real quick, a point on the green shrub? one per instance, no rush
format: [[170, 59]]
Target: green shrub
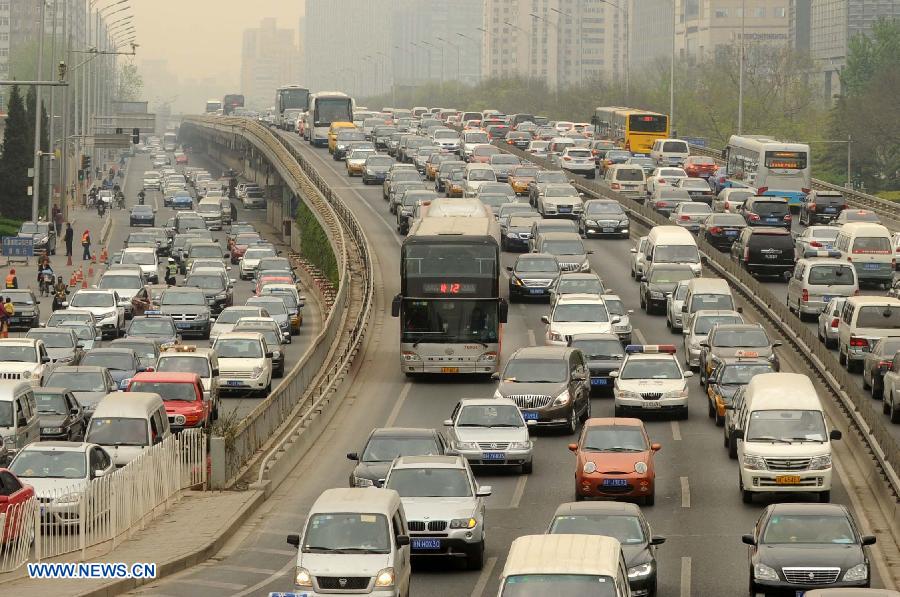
[[314, 244]]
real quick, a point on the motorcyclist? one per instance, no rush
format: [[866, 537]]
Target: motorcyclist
[[60, 291], [120, 199], [45, 277], [101, 207], [141, 196], [171, 270]]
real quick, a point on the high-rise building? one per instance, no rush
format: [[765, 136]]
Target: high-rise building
[[269, 59], [650, 26], [714, 28]]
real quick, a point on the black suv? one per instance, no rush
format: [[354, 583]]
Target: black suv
[[551, 385], [821, 207], [766, 211], [532, 276], [765, 251]]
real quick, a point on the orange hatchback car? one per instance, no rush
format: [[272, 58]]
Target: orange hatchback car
[[614, 459]]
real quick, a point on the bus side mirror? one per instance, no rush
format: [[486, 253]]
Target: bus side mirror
[[504, 310], [395, 306]]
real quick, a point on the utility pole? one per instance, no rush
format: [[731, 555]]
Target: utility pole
[[672, 74], [64, 147], [36, 182], [740, 122], [52, 112]]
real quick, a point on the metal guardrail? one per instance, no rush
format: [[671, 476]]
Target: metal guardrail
[[309, 382], [869, 423]]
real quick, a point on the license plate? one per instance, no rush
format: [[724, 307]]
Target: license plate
[[826, 299], [428, 544], [731, 233], [449, 369], [871, 265], [771, 256], [291, 594], [599, 381], [615, 482], [530, 415], [234, 382], [182, 324], [565, 210], [608, 230], [830, 210], [787, 480], [536, 290], [493, 456], [651, 404]]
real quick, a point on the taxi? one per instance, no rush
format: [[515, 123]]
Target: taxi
[[651, 380], [455, 183], [730, 375], [356, 161], [614, 459], [520, 177], [333, 132]]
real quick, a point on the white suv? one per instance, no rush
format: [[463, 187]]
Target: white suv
[[651, 379], [105, 306], [244, 362], [577, 314], [24, 359]]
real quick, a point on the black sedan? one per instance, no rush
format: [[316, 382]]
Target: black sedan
[[659, 282], [604, 354], [142, 215], [60, 414], [800, 547], [532, 276], [602, 217], [387, 443], [722, 229]]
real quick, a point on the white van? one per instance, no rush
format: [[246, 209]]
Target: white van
[[210, 208], [19, 424], [672, 244], [705, 293], [783, 442], [628, 179], [127, 423], [670, 152], [355, 540], [476, 175], [869, 248], [817, 280], [864, 320], [586, 565]]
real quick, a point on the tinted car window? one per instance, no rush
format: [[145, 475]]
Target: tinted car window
[[769, 208]]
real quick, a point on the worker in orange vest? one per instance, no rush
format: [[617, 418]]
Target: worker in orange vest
[[86, 245], [11, 280]]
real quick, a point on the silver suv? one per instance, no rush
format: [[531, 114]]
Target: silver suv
[[444, 506]]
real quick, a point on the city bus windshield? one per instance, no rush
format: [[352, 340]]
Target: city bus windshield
[[450, 321]]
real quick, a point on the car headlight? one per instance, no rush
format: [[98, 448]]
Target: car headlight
[[463, 523], [763, 572], [124, 383], [512, 235], [51, 429], [201, 317], [112, 313], [656, 294], [385, 578], [465, 445], [640, 467], [303, 578], [640, 571], [623, 222], [555, 336], [257, 371], [683, 393], [858, 572], [526, 445], [585, 266], [562, 399], [589, 467], [69, 498], [820, 463], [591, 222], [361, 482], [627, 394], [754, 463]]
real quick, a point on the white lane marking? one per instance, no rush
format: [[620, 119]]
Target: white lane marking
[[519, 491], [531, 340], [395, 412], [685, 493], [247, 569], [484, 577], [640, 336], [292, 563], [685, 577], [230, 586], [676, 430]]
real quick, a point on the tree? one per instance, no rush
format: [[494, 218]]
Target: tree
[[130, 83], [30, 100], [15, 159]]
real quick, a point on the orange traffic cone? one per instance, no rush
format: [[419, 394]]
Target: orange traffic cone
[[73, 280], [91, 270], [84, 283], [103, 255]]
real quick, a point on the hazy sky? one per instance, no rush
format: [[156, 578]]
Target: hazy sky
[[202, 38]]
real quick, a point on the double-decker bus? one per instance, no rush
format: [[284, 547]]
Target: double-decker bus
[[213, 106], [449, 304], [633, 129], [290, 97], [326, 107], [774, 167], [230, 102]]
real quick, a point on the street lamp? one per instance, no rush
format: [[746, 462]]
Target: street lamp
[[430, 47], [740, 122], [555, 70], [474, 41], [455, 47], [624, 13]]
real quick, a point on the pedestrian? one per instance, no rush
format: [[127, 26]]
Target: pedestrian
[[11, 280], [4, 321], [9, 310], [86, 245], [70, 237], [57, 220]]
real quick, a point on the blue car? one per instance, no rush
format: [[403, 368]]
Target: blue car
[[182, 202], [122, 363]]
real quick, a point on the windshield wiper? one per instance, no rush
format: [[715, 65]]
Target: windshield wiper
[[471, 425], [769, 438], [805, 439], [504, 425]]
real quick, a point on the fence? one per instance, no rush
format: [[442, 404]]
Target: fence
[[106, 510]]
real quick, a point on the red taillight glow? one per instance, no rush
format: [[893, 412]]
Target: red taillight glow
[[662, 204], [804, 295], [762, 190], [816, 244], [835, 322], [716, 230], [805, 191], [859, 342], [685, 218], [754, 218], [788, 218], [614, 185]]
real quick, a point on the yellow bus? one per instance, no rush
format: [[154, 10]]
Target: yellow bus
[[633, 129]]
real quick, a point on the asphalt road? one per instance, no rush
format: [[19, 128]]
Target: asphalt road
[[698, 507]]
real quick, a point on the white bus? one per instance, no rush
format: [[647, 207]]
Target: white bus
[[326, 107], [290, 97], [213, 106], [170, 141], [774, 167]]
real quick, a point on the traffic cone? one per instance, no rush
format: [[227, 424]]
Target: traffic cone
[[103, 255], [73, 280], [91, 269], [84, 283]]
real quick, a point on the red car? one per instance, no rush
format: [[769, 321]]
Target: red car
[[182, 394], [700, 166], [239, 245], [481, 154], [13, 496], [614, 459]]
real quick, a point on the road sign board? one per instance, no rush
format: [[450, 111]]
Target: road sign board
[[17, 246]]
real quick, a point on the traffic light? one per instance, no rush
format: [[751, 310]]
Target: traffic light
[[86, 162], [135, 136]]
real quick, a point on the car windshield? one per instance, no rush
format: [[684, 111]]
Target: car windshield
[[560, 192], [650, 369], [347, 533], [92, 299], [559, 585], [274, 307], [600, 349], [537, 265], [742, 373], [379, 162], [770, 208], [206, 281], [50, 403], [230, 315], [176, 297], [624, 527], [694, 208], [670, 276], [50, 464], [535, 371], [151, 327], [205, 251], [832, 275], [676, 254], [524, 172], [176, 363], [822, 233], [77, 381], [563, 247], [481, 174], [18, 354], [614, 438], [477, 138], [185, 392], [430, 482], [583, 312], [722, 302], [603, 207], [489, 416], [704, 323], [143, 349], [82, 330], [238, 348], [117, 431], [786, 425], [505, 159], [139, 257], [755, 338], [726, 220], [251, 254], [110, 360], [53, 339], [629, 174], [807, 528], [117, 281], [860, 216], [580, 285], [882, 317], [141, 238]]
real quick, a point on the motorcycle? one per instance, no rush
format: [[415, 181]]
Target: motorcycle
[[120, 201], [58, 299], [46, 284]]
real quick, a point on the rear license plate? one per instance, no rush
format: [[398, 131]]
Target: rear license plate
[[771, 256], [771, 220], [493, 456], [731, 233], [449, 369], [871, 265], [608, 230], [826, 299], [536, 290], [615, 482], [565, 210], [830, 210], [599, 381], [530, 415], [182, 324], [234, 382], [425, 544], [787, 480], [291, 594], [651, 404]]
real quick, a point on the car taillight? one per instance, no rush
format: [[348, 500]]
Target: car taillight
[[804, 295], [685, 218], [811, 207], [615, 185], [662, 204], [844, 206], [816, 244], [754, 218], [884, 364], [762, 190], [716, 230], [567, 158], [788, 218], [662, 181], [805, 191], [835, 322], [859, 342]]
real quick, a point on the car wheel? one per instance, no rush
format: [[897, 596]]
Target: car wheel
[[746, 496], [683, 413], [725, 438], [825, 496], [710, 408], [649, 500], [866, 385], [527, 468], [841, 360], [572, 423], [618, 411], [720, 420], [895, 412], [475, 558], [885, 405]]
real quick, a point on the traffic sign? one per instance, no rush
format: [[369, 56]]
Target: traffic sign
[[17, 248]]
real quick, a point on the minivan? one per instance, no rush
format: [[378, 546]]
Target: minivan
[[765, 251], [705, 293], [869, 248], [356, 540], [670, 152], [671, 244], [817, 280], [627, 179], [783, 441], [127, 423], [19, 424], [865, 319]]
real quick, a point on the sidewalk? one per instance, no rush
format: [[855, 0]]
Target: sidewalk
[[192, 531]]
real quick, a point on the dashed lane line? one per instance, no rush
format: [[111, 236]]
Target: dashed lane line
[[518, 492], [484, 577], [640, 336], [685, 493], [685, 577], [531, 339], [395, 412], [676, 430]]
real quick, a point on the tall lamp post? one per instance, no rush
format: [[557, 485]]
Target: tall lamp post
[[740, 122], [474, 41], [431, 46], [517, 28], [624, 13], [455, 47], [555, 70]]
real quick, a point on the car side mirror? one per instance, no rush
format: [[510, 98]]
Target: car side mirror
[[643, 278], [748, 540], [448, 422], [484, 491], [615, 320], [835, 434], [22, 422], [632, 250], [573, 447], [614, 374], [656, 447], [738, 434], [704, 345], [688, 374], [45, 359], [379, 482], [352, 456], [269, 355], [531, 423], [293, 539], [98, 338], [65, 304], [74, 411], [868, 539], [98, 473], [402, 540], [395, 306], [776, 343], [657, 540], [684, 308], [226, 255], [545, 319]]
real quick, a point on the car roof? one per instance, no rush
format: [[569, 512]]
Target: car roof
[[60, 446], [593, 336], [429, 461], [605, 507], [613, 421], [541, 352], [362, 500], [579, 276], [403, 432], [809, 508], [579, 297]]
